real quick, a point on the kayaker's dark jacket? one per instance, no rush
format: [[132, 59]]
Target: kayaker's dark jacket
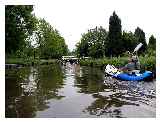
[[134, 64]]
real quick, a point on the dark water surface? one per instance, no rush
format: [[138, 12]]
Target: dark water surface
[[74, 91]]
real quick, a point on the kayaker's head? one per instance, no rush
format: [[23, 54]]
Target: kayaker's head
[[134, 58], [131, 59]]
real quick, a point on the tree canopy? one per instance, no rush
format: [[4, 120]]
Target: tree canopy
[[151, 50], [152, 43], [92, 43], [99, 42], [19, 24], [129, 41], [140, 37], [114, 35], [23, 29], [50, 43]]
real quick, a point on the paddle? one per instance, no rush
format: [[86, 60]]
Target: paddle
[[138, 47], [110, 69], [135, 56]]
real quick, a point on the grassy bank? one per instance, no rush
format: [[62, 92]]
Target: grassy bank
[[147, 63], [29, 61]]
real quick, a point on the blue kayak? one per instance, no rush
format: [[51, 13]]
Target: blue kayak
[[133, 77]]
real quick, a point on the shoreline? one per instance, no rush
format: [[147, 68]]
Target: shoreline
[[147, 63]]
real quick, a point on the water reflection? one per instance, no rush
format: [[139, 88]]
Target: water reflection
[[108, 106], [112, 95], [123, 93], [75, 91], [91, 81], [29, 89]]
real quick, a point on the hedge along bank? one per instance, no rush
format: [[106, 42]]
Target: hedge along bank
[[147, 63]]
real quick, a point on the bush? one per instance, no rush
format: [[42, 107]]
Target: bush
[[147, 62]]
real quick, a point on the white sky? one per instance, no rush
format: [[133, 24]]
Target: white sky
[[74, 17]]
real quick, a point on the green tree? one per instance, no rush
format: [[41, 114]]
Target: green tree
[[19, 24], [151, 49], [140, 36], [152, 43], [114, 36], [129, 41], [92, 43], [50, 43], [96, 42], [82, 46]]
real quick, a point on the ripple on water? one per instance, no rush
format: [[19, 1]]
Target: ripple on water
[[141, 93]]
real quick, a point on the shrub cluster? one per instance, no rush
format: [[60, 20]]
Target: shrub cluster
[[147, 63]]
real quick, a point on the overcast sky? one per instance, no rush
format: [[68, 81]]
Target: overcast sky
[[74, 17]]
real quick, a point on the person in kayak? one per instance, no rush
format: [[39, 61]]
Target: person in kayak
[[133, 65]]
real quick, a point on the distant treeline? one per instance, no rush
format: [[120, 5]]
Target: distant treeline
[[99, 43], [28, 36]]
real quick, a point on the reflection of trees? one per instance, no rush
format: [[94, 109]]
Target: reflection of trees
[[108, 106], [12, 90], [29, 89], [25, 106], [116, 95], [90, 81], [50, 81]]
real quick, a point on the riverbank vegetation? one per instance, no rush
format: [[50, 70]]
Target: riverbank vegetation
[[30, 62], [30, 39], [147, 63], [110, 47]]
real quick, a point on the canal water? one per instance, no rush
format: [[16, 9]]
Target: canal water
[[73, 91]]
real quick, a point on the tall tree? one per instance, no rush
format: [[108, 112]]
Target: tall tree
[[50, 43], [82, 46], [114, 36], [96, 42], [92, 43], [19, 24], [152, 43], [140, 37], [129, 41], [151, 49]]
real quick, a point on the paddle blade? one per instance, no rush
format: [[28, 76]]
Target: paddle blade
[[138, 47]]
